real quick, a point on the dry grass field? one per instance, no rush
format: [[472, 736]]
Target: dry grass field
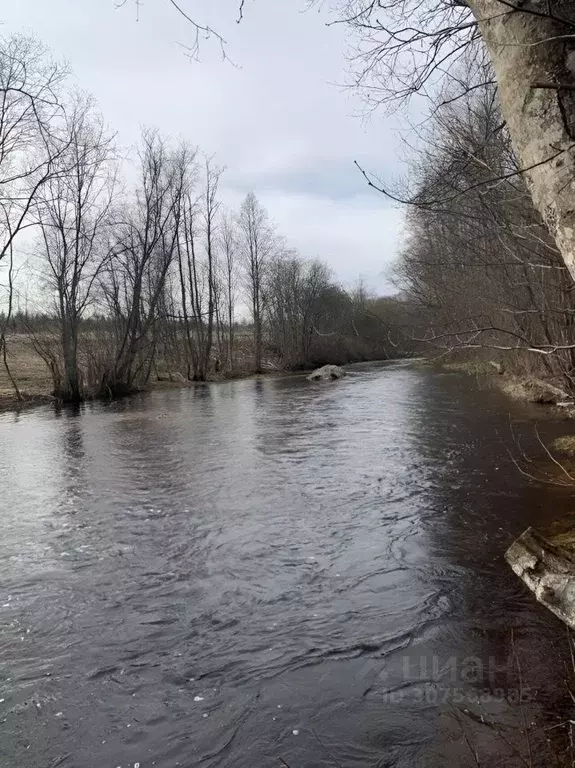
[[27, 368], [35, 384]]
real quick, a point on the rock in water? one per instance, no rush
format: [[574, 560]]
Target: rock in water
[[547, 566], [327, 373]]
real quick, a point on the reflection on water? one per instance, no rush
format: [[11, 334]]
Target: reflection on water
[[237, 573]]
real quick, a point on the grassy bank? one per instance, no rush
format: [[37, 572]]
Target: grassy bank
[[29, 372], [35, 386], [33, 379]]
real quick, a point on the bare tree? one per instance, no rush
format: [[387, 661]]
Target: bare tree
[[5, 321], [229, 248], [210, 212], [258, 244], [144, 248], [187, 263], [296, 291], [197, 264], [408, 46], [73, 212], [30, 108]]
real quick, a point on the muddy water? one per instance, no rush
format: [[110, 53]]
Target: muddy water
[[263, 571]]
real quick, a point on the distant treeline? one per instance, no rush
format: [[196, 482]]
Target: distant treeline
[[331, 327], [147, 277]]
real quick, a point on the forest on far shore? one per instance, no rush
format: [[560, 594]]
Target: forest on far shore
[[154, 279]]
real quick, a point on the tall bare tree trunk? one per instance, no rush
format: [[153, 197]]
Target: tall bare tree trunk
[[229, 246], [4, 327], [230, 329], [71, 391], [257, 314], [258, 244], [190, 354], [211, 209], [532, 50]]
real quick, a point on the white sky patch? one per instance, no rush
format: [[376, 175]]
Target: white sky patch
[[277, 120], [356, 237]]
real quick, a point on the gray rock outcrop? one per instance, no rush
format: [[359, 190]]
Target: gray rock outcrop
[[327, 373]]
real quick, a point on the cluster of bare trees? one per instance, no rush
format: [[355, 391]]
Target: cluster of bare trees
[[478, 260], [152, 277], [490, 252], [29, 148], [169, 271], [409, 47]]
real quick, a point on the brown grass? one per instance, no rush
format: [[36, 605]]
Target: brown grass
[[29, 371], [35, 383]]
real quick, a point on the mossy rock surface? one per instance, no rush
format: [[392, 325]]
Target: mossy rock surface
[[565, 444]]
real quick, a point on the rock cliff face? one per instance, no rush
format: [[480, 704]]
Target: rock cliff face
[[327, 373]]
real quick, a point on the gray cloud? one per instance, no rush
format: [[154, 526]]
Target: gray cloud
[[276, 119]]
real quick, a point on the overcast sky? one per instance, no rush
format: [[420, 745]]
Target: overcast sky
[[277, 120]]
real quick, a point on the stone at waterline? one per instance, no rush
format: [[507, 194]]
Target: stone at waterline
[[547, 567], [327, 373]]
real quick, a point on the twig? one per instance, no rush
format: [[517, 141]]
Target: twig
[[418, 203], [553, 459], [521, 706], [554, 86], [467, 740]]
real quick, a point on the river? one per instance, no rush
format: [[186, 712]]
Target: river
[[269, 572]]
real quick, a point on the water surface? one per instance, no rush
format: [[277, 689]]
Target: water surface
[[252, 572]]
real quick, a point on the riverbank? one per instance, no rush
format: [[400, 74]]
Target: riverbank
[[34, 382], [32, 376], [34, 385], [529, 389]]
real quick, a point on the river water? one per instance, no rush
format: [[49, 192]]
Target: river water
[[269, 572]]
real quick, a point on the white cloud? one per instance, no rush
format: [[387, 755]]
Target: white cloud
[[355, 236], [276, 120]]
